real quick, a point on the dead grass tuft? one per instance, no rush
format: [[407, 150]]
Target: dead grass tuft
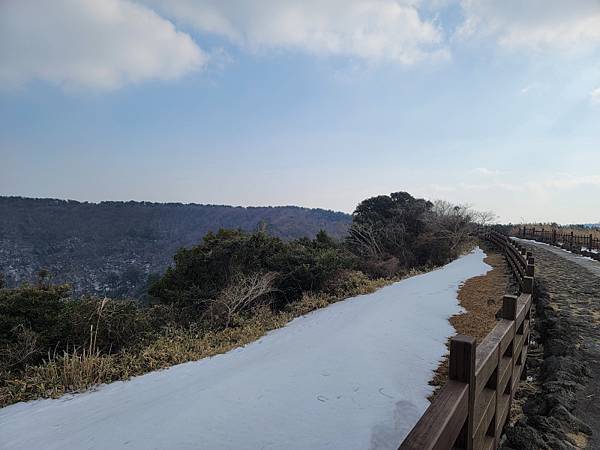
[[579, 439]]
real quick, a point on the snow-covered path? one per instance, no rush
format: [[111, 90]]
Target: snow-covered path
[[351, 376]]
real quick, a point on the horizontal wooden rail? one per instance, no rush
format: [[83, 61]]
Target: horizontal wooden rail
[[472, 408], [446, 419]]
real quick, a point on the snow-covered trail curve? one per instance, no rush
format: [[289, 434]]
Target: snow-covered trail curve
[[353, 375]]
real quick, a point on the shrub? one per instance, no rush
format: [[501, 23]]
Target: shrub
[[111, 324], [201, 273], [38, 321], [242, 293], [30, 317], [398, 232], [387, 267]]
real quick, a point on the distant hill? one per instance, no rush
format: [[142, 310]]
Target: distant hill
[[113, 248]]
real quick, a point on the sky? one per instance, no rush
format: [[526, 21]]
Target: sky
[[317, 103]]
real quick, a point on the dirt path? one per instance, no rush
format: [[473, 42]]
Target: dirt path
[[566, 411]]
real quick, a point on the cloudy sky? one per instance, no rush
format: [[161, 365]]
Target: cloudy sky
[[317, 103]]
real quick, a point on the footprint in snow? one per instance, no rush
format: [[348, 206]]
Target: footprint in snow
[[384, 394], [322, 398]]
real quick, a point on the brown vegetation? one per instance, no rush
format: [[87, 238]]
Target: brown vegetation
[[481, 297]]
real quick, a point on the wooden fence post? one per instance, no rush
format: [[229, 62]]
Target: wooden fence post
[[554, 235], [571, 241], [590, 246], [528, 285], [461, 367], [530, 269], [509, 307]]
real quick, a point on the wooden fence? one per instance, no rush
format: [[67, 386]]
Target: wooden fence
[[571, 241], [472, 408]]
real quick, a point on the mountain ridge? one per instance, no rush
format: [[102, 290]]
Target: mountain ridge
[[114, 248]]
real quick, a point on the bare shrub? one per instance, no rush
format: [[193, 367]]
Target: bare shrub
[[451, 223], [363, 239], [243, 292], [348, 283], [383, 268], [18, 353]]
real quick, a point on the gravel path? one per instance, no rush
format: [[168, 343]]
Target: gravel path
[[568, 406], [583, 261]]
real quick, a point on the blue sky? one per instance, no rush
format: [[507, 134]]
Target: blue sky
[[314, 103]]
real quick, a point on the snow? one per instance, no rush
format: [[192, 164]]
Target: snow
[[577, 255], [353, 375], [590, 264]]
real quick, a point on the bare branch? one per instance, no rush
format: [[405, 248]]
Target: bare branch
[[242, 292]]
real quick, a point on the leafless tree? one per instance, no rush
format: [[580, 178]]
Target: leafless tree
[[450, 222], [242, 292], [483, 218], [363, 238], [395, 237]]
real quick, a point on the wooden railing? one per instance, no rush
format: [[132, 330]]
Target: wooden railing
[[568, 240], [472, 408]]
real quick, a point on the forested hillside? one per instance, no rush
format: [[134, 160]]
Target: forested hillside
[[113, 248]]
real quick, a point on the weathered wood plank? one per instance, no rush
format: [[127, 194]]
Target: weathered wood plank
[[443, 421], [485, 409]]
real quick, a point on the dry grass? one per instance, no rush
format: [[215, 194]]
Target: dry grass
[[80, 370], [579, 439], [481, 297]]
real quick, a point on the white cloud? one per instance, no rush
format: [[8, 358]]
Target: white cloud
[[526, 89], [89, 43], [486, 172], [380, 30], [554, 182], [570, 181], [533, 194], [595, 96], [534, 24], [530, 88]]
